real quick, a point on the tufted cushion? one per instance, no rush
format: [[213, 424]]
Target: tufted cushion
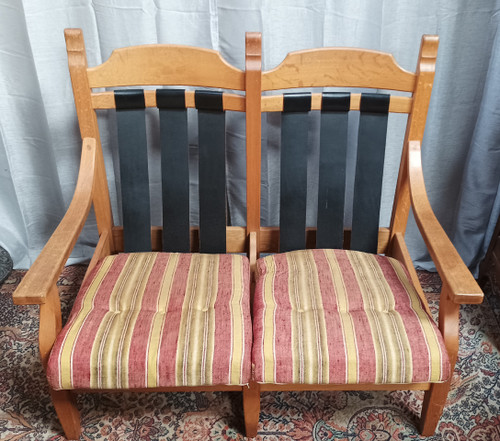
[[342, 317], [146, 320]]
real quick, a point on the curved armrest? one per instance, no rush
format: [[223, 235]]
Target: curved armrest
[[47, 268], [462, 286]]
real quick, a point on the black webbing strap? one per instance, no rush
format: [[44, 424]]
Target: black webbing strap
[[332, 169], [372, 133], [174, 169], [293, 188], [212, 171], [134, 178]]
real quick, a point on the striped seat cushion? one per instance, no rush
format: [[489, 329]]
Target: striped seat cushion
[[342, 317], [145, 320]]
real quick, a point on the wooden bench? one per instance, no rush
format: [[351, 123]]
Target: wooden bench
[[168, 308]]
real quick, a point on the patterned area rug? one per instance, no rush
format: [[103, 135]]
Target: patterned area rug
[[472, 412], [5, 264]]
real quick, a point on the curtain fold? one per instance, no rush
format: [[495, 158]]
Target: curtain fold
[[29, 171], [40, 142], [481, 178]]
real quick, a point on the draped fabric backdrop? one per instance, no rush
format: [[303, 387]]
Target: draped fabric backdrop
[[40, 142]]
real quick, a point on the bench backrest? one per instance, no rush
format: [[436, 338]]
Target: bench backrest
[[129, 71], [341, 68], [170, 65]]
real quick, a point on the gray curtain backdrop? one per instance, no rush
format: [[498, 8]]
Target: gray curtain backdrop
[[39, 137]]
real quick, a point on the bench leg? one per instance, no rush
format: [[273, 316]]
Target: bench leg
[[251, 408], [435, 397], [434, 402], [69, 417]]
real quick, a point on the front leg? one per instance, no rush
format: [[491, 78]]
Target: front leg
[[435, 397]]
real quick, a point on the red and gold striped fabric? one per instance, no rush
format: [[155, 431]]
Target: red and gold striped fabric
[[146, 320], [342, 317]]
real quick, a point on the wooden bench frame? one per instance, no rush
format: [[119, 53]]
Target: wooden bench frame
[[348, 68]]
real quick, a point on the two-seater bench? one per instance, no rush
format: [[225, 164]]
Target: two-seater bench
[[192, 308]]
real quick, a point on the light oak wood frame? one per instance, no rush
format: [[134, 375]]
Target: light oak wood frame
[[343, 67], [132, 66]]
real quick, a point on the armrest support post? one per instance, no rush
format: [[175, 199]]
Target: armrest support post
[[50, 323], [449, 323]]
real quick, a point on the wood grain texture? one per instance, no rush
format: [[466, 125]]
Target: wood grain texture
[[339, 67], [253, 75], [398, 104], [237, 103], [236, 239], [415, 127], [269, 239], [87, 121], [46, 269], [452, 270], [106, 100], [156, 64], [65, 404], [50, 323], [251, 408]]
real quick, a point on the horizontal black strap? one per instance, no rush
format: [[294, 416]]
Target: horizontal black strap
[[129, 99], [170, 98], [335, 102], [208, 100], [375, 103], [296, 102]]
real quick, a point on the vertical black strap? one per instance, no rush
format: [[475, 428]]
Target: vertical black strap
[[134, 176], [332, 169], [369, 171], [174, 169], [212, 171], [293, 188]]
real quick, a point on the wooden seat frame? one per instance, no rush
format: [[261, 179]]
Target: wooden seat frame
[[356, 68], [157, 65], [150, 65]]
